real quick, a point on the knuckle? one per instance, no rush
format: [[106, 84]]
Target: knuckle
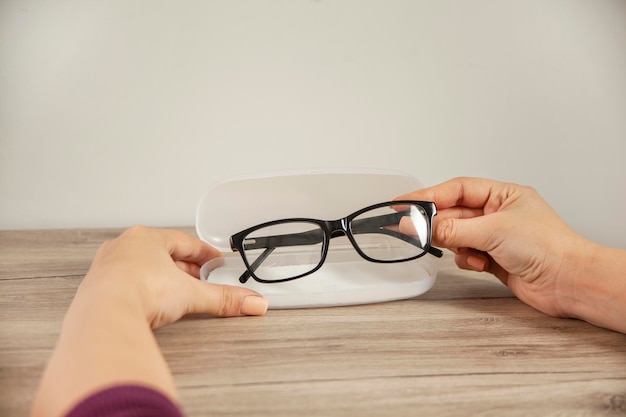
[[444, 232], [135, 230], [227, 303], [530, 190]]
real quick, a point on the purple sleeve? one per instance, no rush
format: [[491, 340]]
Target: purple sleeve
[[126, 401]]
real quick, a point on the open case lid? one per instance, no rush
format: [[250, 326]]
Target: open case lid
[[345, 278]]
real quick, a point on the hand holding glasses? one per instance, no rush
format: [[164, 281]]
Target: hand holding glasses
[[395, 231]]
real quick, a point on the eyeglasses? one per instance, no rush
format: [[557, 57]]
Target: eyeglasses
[[287, 249]]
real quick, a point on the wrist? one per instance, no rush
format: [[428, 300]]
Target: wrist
[[115, 293], [593, 285]]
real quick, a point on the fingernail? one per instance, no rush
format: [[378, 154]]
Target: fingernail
[[253, 305], [476, 263]]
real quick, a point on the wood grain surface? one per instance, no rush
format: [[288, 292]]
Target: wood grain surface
[[465, 348]]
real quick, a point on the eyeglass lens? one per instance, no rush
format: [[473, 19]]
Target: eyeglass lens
[[284, 250], [391, 233]]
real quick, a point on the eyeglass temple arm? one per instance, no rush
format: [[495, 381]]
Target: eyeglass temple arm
[[248, 272], [435, 251], [293, 239]]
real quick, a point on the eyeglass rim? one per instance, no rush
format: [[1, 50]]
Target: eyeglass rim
[[237, 240], [430, 212]]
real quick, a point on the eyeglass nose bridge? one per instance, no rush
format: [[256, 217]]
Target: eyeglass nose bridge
[[336, 228]]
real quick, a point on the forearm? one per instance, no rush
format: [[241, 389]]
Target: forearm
[[105, 340], [597, 294]]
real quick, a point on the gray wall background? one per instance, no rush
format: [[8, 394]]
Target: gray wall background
[[120, 112]]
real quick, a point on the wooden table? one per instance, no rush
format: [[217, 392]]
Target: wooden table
[[467, 347]]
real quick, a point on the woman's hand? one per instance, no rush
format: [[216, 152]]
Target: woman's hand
[[510, 231], [161, 268]]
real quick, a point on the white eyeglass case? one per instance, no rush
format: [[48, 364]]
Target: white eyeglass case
[[345, 278]]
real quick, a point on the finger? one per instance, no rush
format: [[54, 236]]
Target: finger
[[472, 259], [495, 269], [463, 191], [190, 268], [407, 226], [184, 247], [476, 233], [225, 300], [481, 262], [460, 212]]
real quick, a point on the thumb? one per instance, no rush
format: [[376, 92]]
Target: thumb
[[226, 300], [450, 232]]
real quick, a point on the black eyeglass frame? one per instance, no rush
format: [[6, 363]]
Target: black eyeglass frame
[[331, 229]]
